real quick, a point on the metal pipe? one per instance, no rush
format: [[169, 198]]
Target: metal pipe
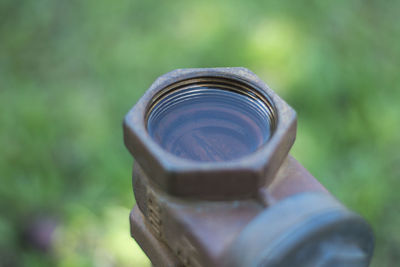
[[214, 183]]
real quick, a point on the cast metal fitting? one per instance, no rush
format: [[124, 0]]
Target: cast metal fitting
[[215, 186]]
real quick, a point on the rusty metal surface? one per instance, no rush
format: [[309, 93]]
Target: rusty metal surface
[[158, 252], [197, 214], [198, 231], [206, 180], [201, 232], [292, 178]]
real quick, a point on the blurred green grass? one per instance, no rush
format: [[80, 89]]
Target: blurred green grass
[[70, 70]]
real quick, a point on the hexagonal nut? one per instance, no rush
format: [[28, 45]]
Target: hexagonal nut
[[238, 178]]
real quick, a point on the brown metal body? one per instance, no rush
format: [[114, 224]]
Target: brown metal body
[[199, 232], [190, 214]]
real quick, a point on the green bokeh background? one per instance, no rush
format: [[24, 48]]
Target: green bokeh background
[[70, 70]]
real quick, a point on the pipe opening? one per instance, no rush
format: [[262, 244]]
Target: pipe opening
[[210, 119]]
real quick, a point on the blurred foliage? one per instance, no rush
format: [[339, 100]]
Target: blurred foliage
[[70, 70]]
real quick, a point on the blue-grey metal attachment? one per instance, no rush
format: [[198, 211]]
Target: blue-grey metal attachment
[[308, 229]]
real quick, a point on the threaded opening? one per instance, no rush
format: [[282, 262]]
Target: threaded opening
[[210, 119]]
